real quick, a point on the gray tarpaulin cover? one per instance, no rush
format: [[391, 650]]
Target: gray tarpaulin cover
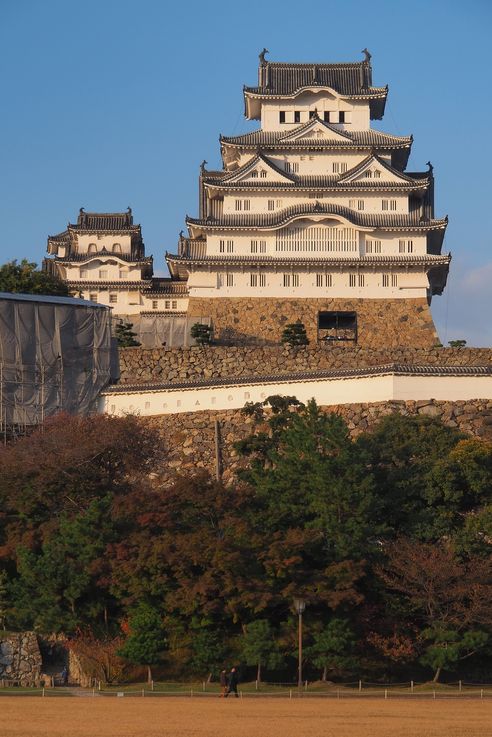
[[55, 354]]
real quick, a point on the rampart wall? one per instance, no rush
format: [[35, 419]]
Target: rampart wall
[[188, 440], [140, 365]]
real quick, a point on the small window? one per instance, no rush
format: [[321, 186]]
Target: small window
[[167, 304], [247, 204], [343, 167], [352, 280], [368, 174], [326, 116], [377, 174], [410, 246], [123, 274], [230, 246], [271, 205], [341, 116], [116, 248], [385, 205], [291, 167], [401, 246], [93, 297], [221, 246], [263, 174], [113, 298], [319, 280], [83, 273], [253, 280], [230, 280], [336, 167], [254, 246], [329, 280], [297, 116], [336, 326], [392, 204], [295, 280], [286, 280], [282, 116], [262, 280], [174, 304], [155, 304], [394, 280], [92, 248], [239, 204], [386, 280], [103, 274], [254, 174], [262, 246], [361, 279], [360, 204]]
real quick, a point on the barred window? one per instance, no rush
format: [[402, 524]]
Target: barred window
[[352, 280], [230, 280]]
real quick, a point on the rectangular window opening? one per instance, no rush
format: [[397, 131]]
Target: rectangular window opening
[[337, 326]]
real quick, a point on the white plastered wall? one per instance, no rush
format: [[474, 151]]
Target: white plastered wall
[[326, 392]]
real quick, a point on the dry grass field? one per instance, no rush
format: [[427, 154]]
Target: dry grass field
[[180, 717]]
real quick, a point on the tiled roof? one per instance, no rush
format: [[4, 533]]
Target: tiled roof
[[297, 181], [104, 220], [80, 257], [99, 284], [348, 79], [166, 287], [325, 259], [277, 219], [385, 369], [275, 139]]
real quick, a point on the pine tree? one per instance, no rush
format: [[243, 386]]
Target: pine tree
[[146, 640], [125, 335], [294, 334], [202, 334]]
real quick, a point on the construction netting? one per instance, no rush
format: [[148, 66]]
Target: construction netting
[[163, 331], [56, 354]]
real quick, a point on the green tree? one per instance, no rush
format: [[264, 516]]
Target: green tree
[[428, 476], [125, 335], [332, 648], [259, 646], [24, 278], [202, 334], [146, 640], [207, 651], [294, 334]]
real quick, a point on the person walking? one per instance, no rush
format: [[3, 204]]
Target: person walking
[[64, 676], [232, 682], [223, 682]]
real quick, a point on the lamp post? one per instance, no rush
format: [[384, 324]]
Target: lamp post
[[299, 606]]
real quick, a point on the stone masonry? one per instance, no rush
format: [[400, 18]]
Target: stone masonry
[[188, 440], [20, 658], [140, 366], [381, 323]]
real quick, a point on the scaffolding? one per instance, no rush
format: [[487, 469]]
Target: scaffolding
[[56, 354]]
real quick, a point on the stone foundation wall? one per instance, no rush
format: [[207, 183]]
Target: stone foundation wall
[[188, 440], [20, 658], [380, 322], [139, 365]]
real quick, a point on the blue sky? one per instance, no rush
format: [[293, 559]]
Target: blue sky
[[109, 104]]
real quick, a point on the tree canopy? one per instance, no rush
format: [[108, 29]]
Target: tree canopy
[[25, 278], [94, 539]]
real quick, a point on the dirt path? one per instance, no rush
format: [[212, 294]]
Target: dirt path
[[186, 717]]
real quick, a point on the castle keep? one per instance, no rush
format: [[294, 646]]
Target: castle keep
[[313, 217]]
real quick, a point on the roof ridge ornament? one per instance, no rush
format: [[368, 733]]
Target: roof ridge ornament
[[431, 168], [261, 56], [202, 166], [368, 56]]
